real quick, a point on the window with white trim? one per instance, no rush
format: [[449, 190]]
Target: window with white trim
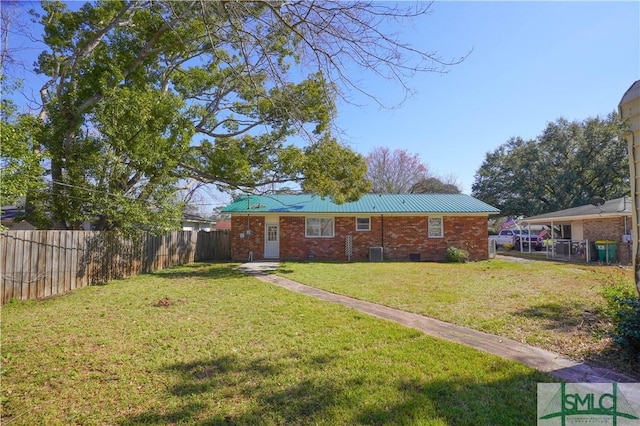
[[436, 228], [363, 224], [317, 227]]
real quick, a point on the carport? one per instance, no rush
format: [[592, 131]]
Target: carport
[[574, 231]]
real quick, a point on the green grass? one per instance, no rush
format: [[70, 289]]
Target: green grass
[[556, 306], [204, 344]]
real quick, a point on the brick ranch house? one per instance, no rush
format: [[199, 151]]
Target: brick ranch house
[[383, 226], [608, 221]]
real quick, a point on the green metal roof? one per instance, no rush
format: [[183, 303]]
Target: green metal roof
[[369, 203]]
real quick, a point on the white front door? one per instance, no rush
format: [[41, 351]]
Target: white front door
[[272, 241]]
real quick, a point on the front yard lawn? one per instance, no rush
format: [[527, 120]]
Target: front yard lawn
[[555, 306], [204, 344]]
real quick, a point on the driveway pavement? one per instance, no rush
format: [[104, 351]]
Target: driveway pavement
[[555, 364]]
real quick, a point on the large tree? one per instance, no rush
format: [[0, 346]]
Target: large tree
[[394, 172], [20, 164], [566, 166], [435, 185], [20, 161], [142, 94]]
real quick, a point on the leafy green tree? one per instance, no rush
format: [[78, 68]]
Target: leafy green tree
[[346, 181], [143, 94], [21, 171], [566, 166], [20, 168], [434, 185]]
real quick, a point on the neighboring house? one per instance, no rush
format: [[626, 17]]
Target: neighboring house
[[609, 221], [385, 226], [193, 222], [11, 219], [223, 225]]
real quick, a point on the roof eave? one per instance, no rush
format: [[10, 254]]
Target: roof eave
[[389, 213], [577, 217]]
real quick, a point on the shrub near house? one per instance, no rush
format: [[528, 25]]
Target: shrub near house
[[623, 308]]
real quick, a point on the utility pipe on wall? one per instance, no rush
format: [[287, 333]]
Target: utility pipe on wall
[[629, 109]]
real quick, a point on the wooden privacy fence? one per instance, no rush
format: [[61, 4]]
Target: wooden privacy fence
[[37, 264]]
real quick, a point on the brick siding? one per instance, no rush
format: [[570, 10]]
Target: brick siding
[[400, 236], [242, 242], [610, 229]]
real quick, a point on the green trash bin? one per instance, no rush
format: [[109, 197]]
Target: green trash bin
[[606, 250]]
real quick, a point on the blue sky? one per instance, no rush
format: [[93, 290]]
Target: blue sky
[[532, 62]]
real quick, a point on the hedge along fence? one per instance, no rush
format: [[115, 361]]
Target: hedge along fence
[[38, 264]]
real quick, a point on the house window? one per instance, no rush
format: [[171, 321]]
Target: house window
[[363, 224], [319, 227], [435, 227]]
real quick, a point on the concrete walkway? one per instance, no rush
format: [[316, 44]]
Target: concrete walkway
[[557, 365]]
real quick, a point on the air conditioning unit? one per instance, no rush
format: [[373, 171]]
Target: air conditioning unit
[[375, 254]]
